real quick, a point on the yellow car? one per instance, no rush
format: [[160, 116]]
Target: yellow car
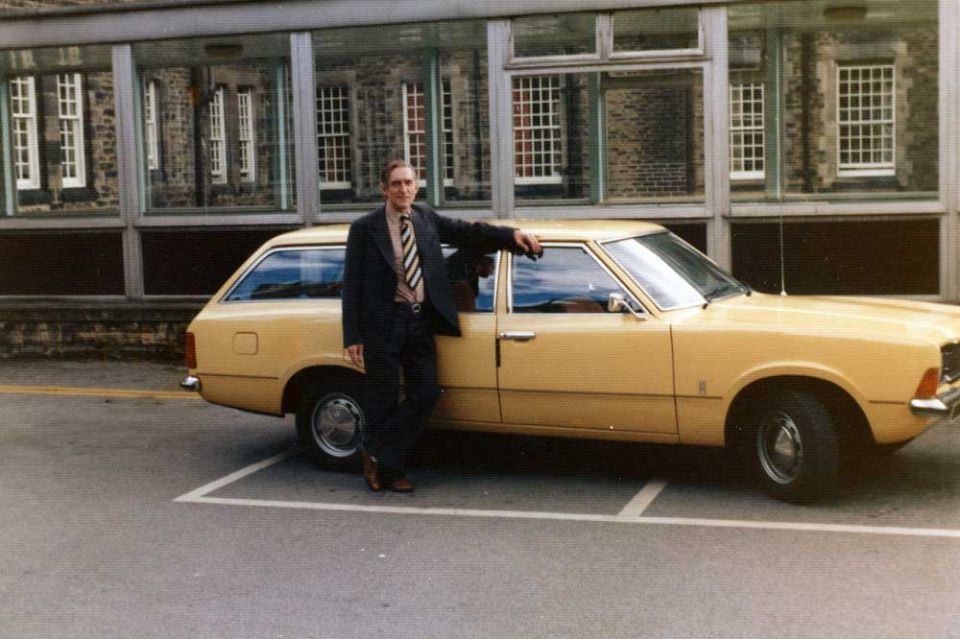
[[621, 331]]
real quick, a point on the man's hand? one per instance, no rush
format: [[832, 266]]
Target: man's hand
[[355, 354], [527, 241]]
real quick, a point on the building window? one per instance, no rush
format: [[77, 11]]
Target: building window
[[415, 130], [70, 110], [218, 140], [247, 138], [538, 149], [150, 124], [333, 136], [866, 120], [23, 98], [746, 131]]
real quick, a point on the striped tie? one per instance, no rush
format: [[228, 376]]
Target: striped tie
[[411, 261]]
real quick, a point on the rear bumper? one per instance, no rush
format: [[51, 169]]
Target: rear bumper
[[944, 406]]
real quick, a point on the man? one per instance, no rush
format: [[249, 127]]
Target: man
[[396, 297]]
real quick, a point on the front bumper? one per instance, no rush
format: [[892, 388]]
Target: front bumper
[[191, 383], [945, 406]]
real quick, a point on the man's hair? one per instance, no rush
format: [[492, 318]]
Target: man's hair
[[391, 165]]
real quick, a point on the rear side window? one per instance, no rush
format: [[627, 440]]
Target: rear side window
[[300, 273]]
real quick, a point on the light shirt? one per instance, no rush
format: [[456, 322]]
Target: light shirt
[[404, 293]]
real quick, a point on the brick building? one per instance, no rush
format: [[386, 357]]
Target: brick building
[[798, 143]]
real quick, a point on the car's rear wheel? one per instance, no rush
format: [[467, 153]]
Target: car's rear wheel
[[795, 445], [330, 420]]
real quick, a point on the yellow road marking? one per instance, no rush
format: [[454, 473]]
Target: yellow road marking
[[13, 389]]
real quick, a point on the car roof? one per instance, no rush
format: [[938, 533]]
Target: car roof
[[546, 230]]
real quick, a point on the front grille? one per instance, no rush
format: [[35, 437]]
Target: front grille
[[950, 370]]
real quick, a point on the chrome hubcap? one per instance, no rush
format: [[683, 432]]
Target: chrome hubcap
[[337, 421], [780, 447]]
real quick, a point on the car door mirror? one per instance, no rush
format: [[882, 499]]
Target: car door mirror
[[617, 303]]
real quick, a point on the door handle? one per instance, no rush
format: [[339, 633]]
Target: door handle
[[518, 336]]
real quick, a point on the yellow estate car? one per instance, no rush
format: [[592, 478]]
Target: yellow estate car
[[621, 331]]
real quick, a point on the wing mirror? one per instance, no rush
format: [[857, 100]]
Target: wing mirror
[[617, 303]]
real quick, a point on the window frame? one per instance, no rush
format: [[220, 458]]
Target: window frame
[[585, 247], [246, 136], [609, 44], [740, 84], [867, 169], [446, 117], [150, 125], [345, 135], [604, 52], [224, 299], [29, 119], [75, 122], [555, 130], [218, 137]]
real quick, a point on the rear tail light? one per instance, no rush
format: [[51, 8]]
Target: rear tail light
[[928, 384], [191, 351]]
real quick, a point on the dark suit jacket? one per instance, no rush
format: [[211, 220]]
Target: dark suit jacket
[[370, 283]]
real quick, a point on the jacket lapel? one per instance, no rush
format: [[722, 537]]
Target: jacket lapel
[[381, 235]]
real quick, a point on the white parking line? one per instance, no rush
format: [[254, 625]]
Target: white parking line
[[636, 507], [206, 489], [633, 511]]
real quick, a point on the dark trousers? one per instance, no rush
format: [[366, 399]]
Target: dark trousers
[[392, 427]]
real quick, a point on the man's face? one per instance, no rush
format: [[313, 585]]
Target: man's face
[[401, 188]]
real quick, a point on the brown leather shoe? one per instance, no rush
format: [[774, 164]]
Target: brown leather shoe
[[400, 485], [371, 471]]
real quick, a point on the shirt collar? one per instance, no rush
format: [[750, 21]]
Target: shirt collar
[[394, 214]]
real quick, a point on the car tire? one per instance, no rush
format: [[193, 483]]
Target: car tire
[[795, 447], [330, 421]]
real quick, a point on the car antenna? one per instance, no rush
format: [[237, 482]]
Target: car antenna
[[783, 270]]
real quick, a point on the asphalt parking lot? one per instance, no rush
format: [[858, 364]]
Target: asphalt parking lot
[[132, 509]]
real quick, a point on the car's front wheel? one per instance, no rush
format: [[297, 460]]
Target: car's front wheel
[[795, 445], [330, 420]]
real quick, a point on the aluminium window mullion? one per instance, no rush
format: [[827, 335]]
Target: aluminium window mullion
[[130, 167], [9, 193], [433, 127], [306, 161], [501, 118], [716, 151]]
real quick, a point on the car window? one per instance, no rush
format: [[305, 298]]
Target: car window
[[472, 276], [300, 273], [671, 271], [565, 280]]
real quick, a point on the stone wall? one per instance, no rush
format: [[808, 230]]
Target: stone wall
[[102, 190], [183, 99], [810, 118], [655, 137], [104, 330]]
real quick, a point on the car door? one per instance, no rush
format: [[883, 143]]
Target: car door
[[466, 365], [566, 362]]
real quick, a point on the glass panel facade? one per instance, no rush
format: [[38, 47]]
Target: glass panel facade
[[62, 130], [655, 136], [548, 35], [76, 263], [379, 91], [620, 136], [850, 100], [890, 257], [217, 124], [188, 262], [656, 29]]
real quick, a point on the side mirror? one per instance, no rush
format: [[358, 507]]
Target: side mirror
[[617, 303]]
